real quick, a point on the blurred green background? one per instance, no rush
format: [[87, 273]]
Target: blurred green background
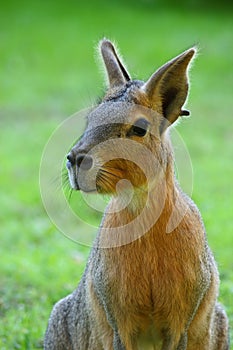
[[48, 71]]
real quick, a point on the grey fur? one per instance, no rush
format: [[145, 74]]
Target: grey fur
[[92, 317]]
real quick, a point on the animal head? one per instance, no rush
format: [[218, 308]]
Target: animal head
[[125, 137]]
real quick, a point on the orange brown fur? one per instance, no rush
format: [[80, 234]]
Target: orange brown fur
[[144, 287]]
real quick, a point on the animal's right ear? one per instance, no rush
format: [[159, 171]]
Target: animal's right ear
[[167, 88], [116, 72]]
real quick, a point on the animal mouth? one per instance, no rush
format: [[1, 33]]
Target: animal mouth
[[77, 184], [105, 178], [104, 182]]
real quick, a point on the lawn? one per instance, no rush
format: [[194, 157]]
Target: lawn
[[48, 70]]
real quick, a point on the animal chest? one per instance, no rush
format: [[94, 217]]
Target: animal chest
[[146, 289]]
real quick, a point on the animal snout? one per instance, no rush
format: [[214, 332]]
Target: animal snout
[[83, 161]]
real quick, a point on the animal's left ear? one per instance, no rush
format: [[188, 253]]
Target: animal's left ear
[[167, 88], [116, 71]]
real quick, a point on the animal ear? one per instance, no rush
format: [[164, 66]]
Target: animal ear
[[167, 88], [117, 73]]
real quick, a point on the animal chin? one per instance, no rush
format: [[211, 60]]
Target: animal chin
[[85, 187], [88, 190]]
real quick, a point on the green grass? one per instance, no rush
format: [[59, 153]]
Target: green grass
[[48, 72]]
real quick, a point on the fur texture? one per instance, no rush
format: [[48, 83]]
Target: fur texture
[[142, 287]]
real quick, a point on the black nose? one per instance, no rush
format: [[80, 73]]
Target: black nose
[[70, 161], [84, 162]]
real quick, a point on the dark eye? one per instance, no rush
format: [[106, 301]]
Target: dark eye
[[140, 127]]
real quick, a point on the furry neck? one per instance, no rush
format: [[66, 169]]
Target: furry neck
[[136, 211]]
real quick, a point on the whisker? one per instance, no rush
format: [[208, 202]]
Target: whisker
[[57, 182], [107, 179], [104, 182], [65, 180], [110, 173], [70, 194], [106, 176], [61, 179], [103, 178]]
